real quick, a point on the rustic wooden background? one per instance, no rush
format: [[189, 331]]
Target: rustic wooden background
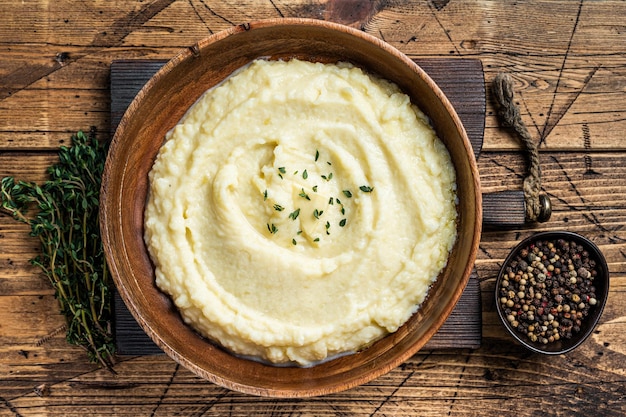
[[568, 59]]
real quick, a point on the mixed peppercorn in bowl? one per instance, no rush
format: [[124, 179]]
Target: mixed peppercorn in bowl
[[551, 291]]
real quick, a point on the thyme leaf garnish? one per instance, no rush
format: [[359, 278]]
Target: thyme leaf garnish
[[294, 214], [304, 195], [272, 228]]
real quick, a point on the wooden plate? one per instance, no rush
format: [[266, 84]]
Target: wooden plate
[[161, 104]]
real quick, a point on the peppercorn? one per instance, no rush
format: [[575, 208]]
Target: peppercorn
[[548, 290]]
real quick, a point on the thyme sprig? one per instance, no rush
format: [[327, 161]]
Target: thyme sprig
[[72, 257]]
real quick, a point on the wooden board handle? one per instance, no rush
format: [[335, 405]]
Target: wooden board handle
[[504, 209]]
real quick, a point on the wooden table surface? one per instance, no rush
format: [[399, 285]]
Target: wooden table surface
[[568, 60]]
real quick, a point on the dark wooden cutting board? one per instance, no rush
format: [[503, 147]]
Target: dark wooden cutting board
[[462, 81]]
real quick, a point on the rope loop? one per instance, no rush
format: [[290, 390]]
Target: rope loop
[[537, 204]]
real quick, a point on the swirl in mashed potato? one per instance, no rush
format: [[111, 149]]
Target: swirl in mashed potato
[[300, 210]]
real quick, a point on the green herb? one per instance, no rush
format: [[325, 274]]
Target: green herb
[[272, 228], [347, 193], [315, 188], [281, 171], [304, 195], [299, 232], [317, 155], [293, 242], [264, 195], [331, 201], [338, 201], [343, 210], [294, 214], [327, 228], [342, 223], [278, 207], [317, 239], [366, 188], [317, 213], [328, 177], [72, 257], [305, 174]]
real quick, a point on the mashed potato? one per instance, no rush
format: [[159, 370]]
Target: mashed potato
[[300, 211]]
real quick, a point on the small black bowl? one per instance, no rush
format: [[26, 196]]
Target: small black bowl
[[588, 323]]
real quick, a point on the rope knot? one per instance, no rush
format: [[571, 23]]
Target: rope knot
[[504, 93]]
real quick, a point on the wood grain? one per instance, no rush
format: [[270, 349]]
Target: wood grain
[[568, 59], [560, 68]]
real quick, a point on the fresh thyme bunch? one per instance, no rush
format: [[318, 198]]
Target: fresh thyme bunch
[[72, 256]]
